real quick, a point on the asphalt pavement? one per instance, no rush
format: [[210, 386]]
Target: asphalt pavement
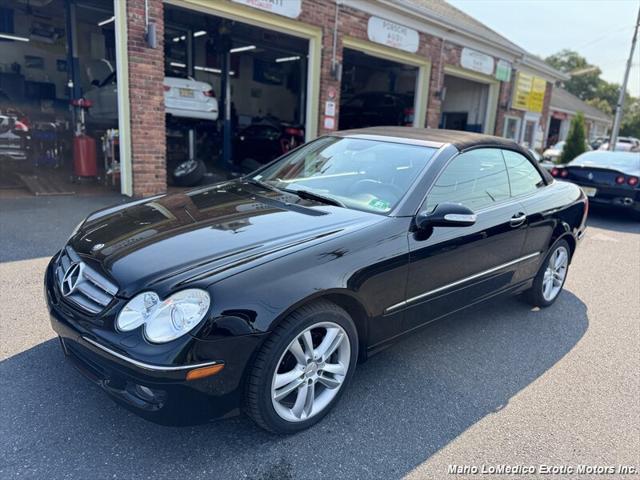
[[499, 384]]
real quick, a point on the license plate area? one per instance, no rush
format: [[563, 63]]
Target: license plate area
[[590, 191], [186, 92]]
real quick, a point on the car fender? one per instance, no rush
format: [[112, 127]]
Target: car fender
[[339, 270]]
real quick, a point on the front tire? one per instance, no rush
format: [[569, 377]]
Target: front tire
[[302, 369], [551, 277]]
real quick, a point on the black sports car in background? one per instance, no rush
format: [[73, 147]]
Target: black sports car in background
[[607, 178], [373, 109], [264, 292], [261, 142]]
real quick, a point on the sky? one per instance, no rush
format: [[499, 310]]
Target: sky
[[599, 30]]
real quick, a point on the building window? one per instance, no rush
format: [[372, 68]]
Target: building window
[[511, 128]]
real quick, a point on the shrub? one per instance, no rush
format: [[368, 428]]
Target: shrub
[[576, 140]]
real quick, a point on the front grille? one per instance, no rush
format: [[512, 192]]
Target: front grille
[[82, 285]]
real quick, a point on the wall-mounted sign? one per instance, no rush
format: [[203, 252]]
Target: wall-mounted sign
[[503, 71], [476, 61], [528, 93], [287, 8], [330, 108], [329, 123], [393, 35]]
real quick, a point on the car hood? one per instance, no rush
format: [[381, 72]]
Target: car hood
[[199, 235]]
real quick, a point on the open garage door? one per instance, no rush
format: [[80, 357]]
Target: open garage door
[[58, 98], [464, 106], [376, 91], [469, 101], [213, 63]]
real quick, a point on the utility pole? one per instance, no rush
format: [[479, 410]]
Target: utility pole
[[616, 120]]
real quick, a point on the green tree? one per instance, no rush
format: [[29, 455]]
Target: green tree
[[631, 119], [583, 86], [576, 139], [601, 104]]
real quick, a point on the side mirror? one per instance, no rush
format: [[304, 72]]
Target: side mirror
[[446, 215]]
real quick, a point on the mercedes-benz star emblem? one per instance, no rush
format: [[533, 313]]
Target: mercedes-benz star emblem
[[590, 176], [71, 279]]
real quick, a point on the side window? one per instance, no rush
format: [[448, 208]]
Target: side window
[[475, 179], [523, 177]]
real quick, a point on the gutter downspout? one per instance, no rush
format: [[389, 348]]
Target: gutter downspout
[[334, 63]]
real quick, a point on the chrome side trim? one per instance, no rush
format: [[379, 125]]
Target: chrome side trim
[[459, 282], [147, 366]]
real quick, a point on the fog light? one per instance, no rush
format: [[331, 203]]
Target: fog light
[[145, 393]]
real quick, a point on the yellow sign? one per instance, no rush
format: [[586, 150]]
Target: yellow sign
[[529, 92]]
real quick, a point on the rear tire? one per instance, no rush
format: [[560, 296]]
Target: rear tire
[[549, 280], [291, 386]]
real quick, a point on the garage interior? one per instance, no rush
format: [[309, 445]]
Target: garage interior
[[376, 91], [464, 104], [259, 79], [50, 141]]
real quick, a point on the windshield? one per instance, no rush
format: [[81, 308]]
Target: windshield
[[366, 175]]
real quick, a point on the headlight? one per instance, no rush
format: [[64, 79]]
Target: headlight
[[164, 320]]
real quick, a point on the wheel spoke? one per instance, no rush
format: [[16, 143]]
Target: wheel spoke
[[308, 344], [296, 349], [560, 259], [329, 345], [283, 379], [335, 368], [329, 382], [287, 389], [329, 337], [311, 396], [548, 285], [301, 399]]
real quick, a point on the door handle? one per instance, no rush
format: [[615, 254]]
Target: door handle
[[518, 219]]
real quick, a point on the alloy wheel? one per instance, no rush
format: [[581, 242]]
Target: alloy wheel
[[555, 273], [310, 372]]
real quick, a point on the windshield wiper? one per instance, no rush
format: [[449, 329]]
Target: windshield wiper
[[307, 195], [262, 184]]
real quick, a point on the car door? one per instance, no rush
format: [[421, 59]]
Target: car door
[[528, 187], [451, 267]]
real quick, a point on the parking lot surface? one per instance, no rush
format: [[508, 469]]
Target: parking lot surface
[[499, 384]]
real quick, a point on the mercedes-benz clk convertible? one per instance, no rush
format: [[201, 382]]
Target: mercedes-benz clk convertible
[[262, 294]]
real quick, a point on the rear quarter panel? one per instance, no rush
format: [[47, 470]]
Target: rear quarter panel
[[557, 210]]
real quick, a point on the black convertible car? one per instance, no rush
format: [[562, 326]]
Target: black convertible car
[[607, 178], [263, 292]]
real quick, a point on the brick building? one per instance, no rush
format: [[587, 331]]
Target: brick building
[[317, 65]]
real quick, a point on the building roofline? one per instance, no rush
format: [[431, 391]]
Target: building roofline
[[607, 120]]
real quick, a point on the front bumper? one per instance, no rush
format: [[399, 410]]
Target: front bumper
[[157, 392]]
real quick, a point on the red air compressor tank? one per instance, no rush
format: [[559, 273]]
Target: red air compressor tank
[[85, 163]]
